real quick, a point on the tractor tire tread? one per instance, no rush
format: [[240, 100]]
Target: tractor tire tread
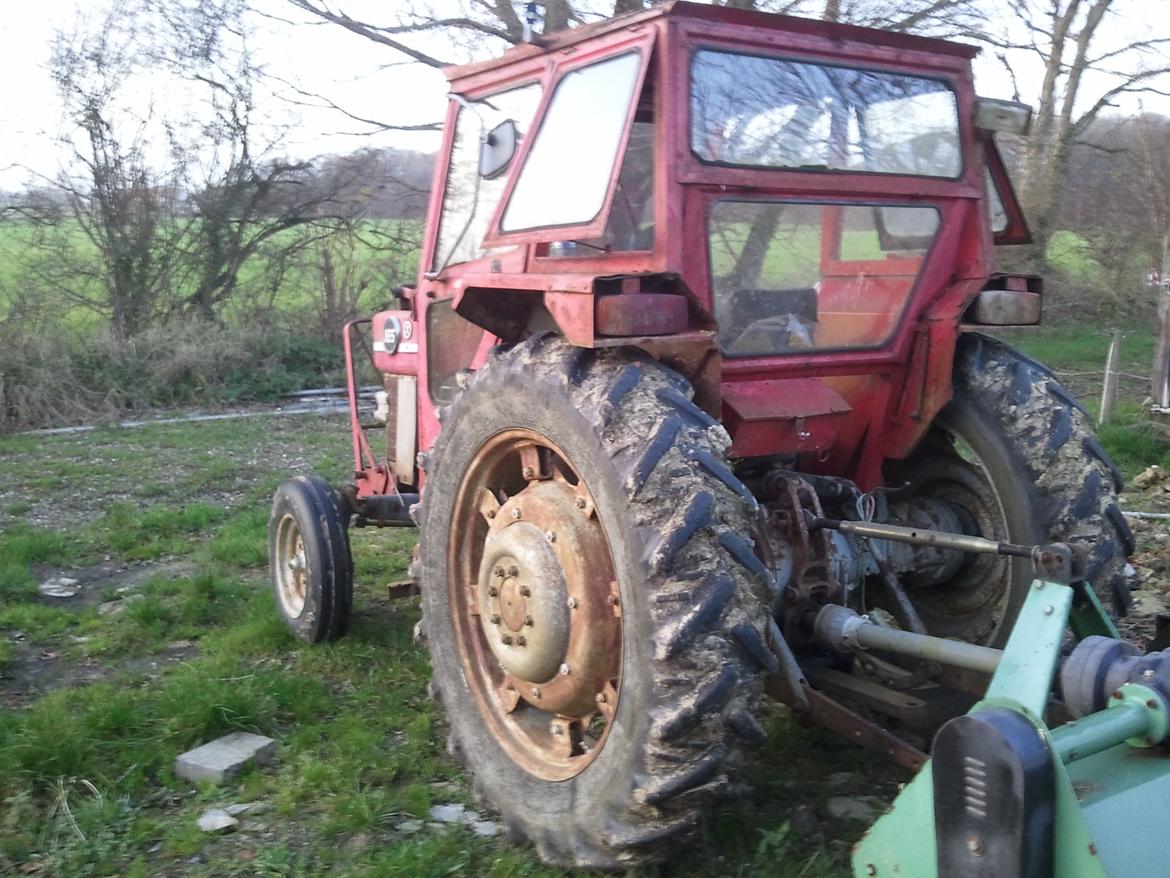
[[1075, 481], [708, 590]]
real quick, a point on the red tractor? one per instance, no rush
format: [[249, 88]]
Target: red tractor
[[691, 401]]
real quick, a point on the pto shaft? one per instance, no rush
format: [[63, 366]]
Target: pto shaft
[[842, 629]]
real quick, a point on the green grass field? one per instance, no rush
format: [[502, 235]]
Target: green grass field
[[167, 524], [95, 705]]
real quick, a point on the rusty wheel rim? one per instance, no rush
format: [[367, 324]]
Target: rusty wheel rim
[[535, 605], [291, 568]]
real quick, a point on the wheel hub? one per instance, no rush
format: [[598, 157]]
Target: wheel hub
[[536, 603], [523, 602], [547, 600]]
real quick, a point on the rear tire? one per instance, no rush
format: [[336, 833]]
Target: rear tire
[[309, 556], [693, 601], [1012, 427]]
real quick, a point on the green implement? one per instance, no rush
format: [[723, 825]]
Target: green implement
[[1009, 796]]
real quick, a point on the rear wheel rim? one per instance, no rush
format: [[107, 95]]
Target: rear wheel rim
[[980, 593], [292, 567], [535, 605]]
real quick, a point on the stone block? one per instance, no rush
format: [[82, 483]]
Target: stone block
[[224, 758]]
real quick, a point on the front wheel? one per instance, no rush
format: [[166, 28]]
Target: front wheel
[[1016, 458], [309, 557], [594, 615]]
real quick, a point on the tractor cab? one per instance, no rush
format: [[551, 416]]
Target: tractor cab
[[793, 214]]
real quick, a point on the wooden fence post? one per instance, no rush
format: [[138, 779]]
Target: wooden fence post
[[1109, 390]]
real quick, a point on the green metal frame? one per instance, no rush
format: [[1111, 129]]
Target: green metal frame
[[1113, 791]]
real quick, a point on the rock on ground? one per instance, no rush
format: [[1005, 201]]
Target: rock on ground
[[217, 820], [224, 757]]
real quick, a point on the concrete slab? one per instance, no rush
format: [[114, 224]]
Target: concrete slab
[[224, 758]]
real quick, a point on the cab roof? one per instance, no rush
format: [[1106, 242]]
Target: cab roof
[[702, 12]]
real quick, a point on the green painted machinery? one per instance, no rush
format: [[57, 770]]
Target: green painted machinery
[[1011, 791]]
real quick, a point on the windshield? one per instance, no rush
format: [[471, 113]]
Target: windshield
[[469, 201], [770, 112]]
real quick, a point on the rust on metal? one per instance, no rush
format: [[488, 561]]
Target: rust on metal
[[542, 656]]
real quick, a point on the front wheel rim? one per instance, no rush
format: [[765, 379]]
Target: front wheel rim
[[291, 568], [535, 605]]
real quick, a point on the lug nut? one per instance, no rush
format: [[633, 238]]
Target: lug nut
[[513, 570], [612, 600], [491, 513], [529, 621], [515, 511], [572, 602], [499, 571], [507, 639], [599, 698], [526, 472], [581, 503], [556, 729], [535, 691], [565, 670], [521, 640], [495, 618], [525, 591], [493, 591], [550, 536]]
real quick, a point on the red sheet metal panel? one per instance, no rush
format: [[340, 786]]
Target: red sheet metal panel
[[782, 415]]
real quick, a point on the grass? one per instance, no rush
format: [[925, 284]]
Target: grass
[[86, 782]]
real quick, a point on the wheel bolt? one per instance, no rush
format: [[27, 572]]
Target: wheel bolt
[[493, 591], [556, 729], [499, 571], [580, 502], [572, 603], [599, 698], [529, 621], [525, 591], [612, 600], [535, 691], [507, 639], [550, 536], [521, 640], [495, 618], [515, 511], [565, 670], [491, 513], [526, 472], [513, 570]]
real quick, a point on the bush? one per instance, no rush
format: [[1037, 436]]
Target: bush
[[70, 377]]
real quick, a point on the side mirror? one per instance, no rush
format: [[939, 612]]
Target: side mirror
[[1010, 117], [497, 149]]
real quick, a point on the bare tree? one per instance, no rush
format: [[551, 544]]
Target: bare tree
[[1085, 68], [122, 208], [484, 27]]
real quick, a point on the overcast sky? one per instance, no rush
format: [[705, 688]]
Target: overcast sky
[[320, 59]]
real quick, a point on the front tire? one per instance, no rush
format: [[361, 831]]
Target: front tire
[[309, 556], [595, 471]]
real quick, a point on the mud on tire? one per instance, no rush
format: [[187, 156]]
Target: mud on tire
[[1070, 480], [694, 599]]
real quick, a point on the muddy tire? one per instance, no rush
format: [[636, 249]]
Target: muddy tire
[[309, 556], [645, 471], [1025, 437]]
